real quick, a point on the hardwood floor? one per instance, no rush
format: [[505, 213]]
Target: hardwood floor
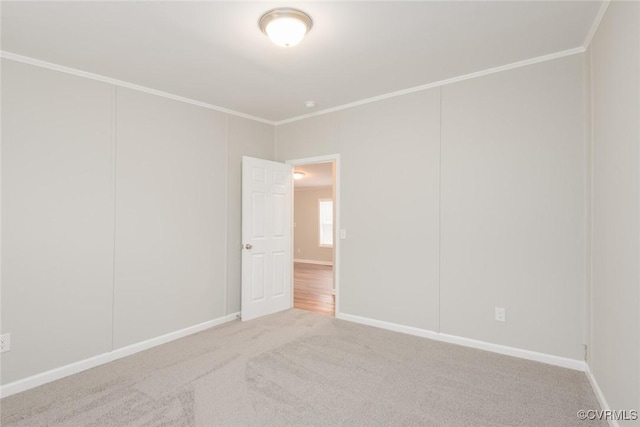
[[312, 288]]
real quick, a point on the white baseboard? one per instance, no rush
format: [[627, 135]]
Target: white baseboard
[[599, 395], [83, 365], [578, 365], [311, 261]]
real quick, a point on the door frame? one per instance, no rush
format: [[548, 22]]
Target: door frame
[[337, 236]]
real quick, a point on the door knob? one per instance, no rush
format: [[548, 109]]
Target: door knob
[[248, 246]]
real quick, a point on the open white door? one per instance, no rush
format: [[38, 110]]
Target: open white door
[[266, 237]]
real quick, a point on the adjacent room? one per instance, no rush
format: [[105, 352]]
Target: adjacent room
[[313, 236], [395, 213]]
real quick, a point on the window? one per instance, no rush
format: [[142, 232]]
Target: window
[[325, 208]]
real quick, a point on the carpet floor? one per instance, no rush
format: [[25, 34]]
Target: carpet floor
[[297, 368]]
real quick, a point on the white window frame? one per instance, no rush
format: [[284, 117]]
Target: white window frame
[[320, 223]]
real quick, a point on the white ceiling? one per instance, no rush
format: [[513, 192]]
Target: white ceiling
[[315, 175], [214, 52]]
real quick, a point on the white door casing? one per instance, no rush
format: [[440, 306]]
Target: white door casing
[[266, 237]]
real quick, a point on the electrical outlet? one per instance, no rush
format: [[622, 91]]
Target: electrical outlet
[[501, 314], [5, 342]]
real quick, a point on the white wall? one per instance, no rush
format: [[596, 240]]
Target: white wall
[[57, 218], [67, 143], [511, 156], [513, 210], [389, 206], [306, 239], [170, 254], [313, 137], [615, 77]]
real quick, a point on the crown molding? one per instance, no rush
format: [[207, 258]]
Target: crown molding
[[122, 83], [596, 23], [420, 88]]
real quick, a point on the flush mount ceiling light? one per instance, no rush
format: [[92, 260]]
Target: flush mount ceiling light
[[298, 175], [285, 27]]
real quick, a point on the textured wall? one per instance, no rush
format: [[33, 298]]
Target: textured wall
[[615, 303], [91, 171], [463, 198], [57, 218]]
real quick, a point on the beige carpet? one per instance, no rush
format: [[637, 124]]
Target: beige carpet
[[297, 368]]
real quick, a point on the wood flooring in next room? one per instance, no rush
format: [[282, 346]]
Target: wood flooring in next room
[[312, 288]]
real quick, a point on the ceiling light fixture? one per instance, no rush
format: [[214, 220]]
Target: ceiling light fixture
[[298, 175], [285, 27]]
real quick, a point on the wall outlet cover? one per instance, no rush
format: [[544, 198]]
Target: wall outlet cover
[[5, 342]]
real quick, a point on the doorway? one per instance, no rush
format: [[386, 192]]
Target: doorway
[[314, 235]]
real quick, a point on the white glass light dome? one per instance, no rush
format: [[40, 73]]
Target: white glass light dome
[[285, 27]]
